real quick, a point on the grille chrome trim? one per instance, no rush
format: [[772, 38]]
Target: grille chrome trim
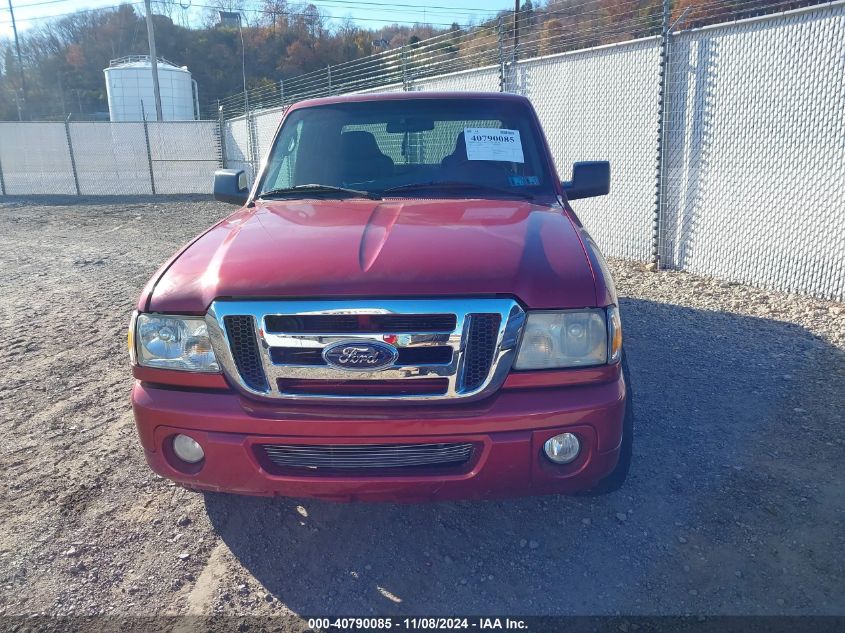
[[511, 318], [367, 456]]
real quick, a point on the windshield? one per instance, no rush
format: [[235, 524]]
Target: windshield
[[411, 147]]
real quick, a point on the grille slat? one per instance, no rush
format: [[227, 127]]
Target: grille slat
[[353, 388], [481, 347], [351, 456], [365, 460], [359, 323], [297, 356], [241, 333], [424, 355], [354, 448], [367, 456]]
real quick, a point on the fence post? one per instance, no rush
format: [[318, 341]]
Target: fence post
[[249, 144], [221, 128], [660, 183], [329, 75], [403, 58], [2, 182], [253, 134], [282, 91], [149, 152], [72, 157], [501, 52]]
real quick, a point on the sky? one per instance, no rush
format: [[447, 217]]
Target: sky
[[367, 13]]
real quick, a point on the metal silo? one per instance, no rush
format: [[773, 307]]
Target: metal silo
[[129, 85]]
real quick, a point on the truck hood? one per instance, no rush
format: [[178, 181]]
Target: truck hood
[[392, 248]]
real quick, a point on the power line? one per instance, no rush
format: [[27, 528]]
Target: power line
[[38, 4], [78, 11], [341, 3], [356, 19], [384, 5], [450, 51], [469, 12]]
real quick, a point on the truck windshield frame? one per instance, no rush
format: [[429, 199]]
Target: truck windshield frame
[[406, 148]]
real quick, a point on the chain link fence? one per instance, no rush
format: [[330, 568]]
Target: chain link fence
[[102, 158], [752, 176], [726, 139], [709, 128], [603, 104], [35, 158]]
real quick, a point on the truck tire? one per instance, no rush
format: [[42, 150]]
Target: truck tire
[[617, 477]]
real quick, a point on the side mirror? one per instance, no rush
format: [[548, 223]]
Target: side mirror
[[230, 186], [589, 179]]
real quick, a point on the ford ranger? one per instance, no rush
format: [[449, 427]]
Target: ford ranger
[[404, 307]]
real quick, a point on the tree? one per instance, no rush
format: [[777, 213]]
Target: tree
[[275, 14], [314, 21], [551, 37]]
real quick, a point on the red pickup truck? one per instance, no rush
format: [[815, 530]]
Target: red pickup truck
[[404, 307]]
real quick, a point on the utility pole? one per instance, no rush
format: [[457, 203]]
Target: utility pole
[[243, 63], [61, 92], [515, 26], [152, 40], [18, 104], [20, 62]]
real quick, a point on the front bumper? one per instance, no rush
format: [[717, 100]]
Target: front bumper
[[508, 431]]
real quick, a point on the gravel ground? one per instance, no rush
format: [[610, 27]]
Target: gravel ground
[[734, 504]]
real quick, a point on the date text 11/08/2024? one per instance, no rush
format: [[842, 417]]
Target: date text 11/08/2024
[[413, 624]]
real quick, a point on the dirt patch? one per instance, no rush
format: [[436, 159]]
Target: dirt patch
[[734, 504]]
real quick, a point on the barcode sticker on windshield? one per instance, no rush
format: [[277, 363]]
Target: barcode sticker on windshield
[[484, 143]]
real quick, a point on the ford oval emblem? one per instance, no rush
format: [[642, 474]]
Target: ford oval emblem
[[360, 355]]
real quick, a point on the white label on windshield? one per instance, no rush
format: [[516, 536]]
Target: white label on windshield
[[485, 143]]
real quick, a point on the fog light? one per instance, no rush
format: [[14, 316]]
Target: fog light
[[187, 449], [563, 448]]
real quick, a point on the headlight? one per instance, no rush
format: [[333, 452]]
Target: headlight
[[173, 342], [570, 338]]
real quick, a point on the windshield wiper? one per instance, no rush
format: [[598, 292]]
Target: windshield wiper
[[448, 184], [299, 190]]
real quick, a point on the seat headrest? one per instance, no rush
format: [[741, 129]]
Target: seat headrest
[[359, 143], [460, 146]]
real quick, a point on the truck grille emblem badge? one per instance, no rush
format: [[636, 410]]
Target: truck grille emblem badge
[[360, 355]]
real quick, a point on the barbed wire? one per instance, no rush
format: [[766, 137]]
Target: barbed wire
[[551, 30]]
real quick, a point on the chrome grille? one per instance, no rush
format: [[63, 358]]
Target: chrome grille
[[460, 349], [367, 456]]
